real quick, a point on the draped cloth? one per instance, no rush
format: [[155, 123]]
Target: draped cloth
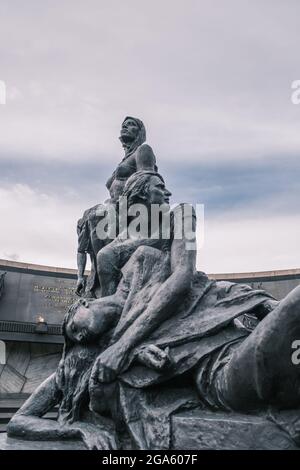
[[90, 243], [201, 324]]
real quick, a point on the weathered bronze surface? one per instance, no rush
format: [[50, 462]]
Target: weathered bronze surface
[[162, 356]]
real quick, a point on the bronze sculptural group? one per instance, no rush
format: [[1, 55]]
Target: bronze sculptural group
[[138, 156], [152, 334]]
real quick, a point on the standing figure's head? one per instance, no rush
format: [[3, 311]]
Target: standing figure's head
[[133, 134]]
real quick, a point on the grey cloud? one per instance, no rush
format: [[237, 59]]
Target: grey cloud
[[210, 79], [220, 186], [270, 184]]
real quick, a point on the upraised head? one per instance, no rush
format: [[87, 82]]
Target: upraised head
[[132, 135]]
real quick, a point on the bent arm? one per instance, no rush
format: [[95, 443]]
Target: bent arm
[[161, 306], [81, 264], [28, 422], [83, 245]]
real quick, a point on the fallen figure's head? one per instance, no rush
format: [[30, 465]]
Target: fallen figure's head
[[93, 322]]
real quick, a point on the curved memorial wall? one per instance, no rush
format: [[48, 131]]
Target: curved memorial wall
[[32, 306]]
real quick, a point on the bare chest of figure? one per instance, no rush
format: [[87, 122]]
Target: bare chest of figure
[[126, 168], [123, 171]]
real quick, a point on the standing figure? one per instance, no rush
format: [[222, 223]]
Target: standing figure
[[138, 156]]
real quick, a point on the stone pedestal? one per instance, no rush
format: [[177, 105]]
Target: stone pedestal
[[193, 430], [199, 430], [9, 443]]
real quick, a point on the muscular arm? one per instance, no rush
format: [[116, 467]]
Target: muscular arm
[[145, 158], [28, 422], [82, 249], [183, 264], [81, 264], [160, 307]]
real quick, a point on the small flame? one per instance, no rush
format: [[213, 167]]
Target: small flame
[[40, 319]]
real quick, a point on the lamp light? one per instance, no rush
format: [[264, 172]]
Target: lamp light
[[41, 325]]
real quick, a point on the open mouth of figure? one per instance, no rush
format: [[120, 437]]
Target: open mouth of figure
[[125, 132]]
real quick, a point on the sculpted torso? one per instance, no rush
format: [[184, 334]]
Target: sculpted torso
[[138, 156], [232, 367]]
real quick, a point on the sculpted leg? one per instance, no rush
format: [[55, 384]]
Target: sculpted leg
[[108, 272], [113, 257], [261, 370]]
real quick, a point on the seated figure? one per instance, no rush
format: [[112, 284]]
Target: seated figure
[[166, 338], [139, 156]]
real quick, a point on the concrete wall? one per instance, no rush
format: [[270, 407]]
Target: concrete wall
[[27, 366], [30, 292], [277, 283]]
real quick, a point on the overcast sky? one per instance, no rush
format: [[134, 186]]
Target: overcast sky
[[210, 79]]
